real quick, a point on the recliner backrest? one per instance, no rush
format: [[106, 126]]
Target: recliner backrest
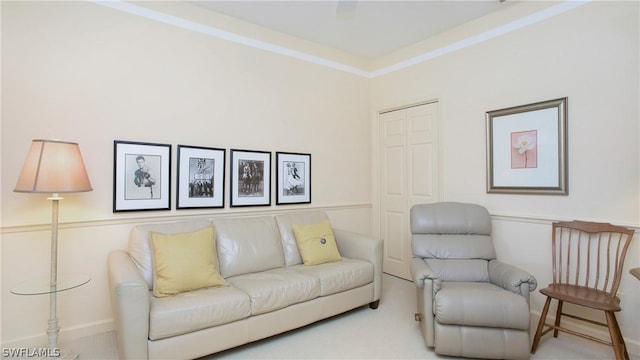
[[454, 239]]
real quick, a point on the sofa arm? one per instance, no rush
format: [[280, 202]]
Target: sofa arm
[[130, 306], [363, 247], [512, 278]]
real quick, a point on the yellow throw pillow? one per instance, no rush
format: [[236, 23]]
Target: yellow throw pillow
[[184, 262], [316, 243]]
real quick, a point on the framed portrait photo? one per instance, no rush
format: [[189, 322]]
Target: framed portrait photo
[[200, 180], [141, 176], [250, 178], [527, 149], [293, 178]]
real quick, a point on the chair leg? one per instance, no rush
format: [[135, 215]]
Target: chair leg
[[543, 318], [558, 316], [619, 347]]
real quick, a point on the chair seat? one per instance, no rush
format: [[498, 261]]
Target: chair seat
[[584, 296], [480, 304]]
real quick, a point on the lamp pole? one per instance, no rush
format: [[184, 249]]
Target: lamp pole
[[53, 329]]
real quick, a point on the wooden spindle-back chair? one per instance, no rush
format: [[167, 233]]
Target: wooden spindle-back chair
[[587, 266]]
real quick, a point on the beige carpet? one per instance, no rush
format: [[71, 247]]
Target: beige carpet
[[386, 333]]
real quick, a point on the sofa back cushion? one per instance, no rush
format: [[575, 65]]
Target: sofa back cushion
[[140, 242], [248, 245], [286, 223]]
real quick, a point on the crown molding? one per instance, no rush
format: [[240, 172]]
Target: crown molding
[[534, 18]]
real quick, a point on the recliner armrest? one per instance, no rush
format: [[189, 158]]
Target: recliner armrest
[[512, 278], [428, 284], [421, 272]]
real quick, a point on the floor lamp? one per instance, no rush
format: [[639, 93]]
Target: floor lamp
[[53, 167]]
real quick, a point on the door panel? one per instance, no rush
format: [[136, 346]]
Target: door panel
[[395, 223], [421, 182], [423, 155], [408, 175], [395, 167]]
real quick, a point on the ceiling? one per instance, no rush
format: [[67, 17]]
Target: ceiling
[[366, 28]]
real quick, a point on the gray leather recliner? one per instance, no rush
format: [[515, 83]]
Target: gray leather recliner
[[469, 303]]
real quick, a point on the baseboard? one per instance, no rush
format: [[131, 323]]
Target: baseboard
[[633, 345], [70, 334], [67, 334]]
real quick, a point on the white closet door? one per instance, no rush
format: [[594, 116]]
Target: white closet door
[[408, 176]]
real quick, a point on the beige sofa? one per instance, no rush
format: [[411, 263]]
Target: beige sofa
[[269, 290]]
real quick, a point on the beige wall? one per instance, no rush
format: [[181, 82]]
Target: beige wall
[[87, 73], [82, 72], [590, 55]]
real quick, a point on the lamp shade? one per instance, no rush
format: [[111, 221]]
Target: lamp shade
[[53, 167]]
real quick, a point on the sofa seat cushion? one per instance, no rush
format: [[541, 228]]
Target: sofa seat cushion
[[480, 304], [196, 310], [339, 276], [275, 289]]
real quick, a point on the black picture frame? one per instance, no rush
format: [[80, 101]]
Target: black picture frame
[[293, 178], [200, 181], [250, 178], [141, 176]]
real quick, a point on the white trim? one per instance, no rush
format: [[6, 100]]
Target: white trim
[[487, 35], [225, 35], [140, 218], [67, 334]]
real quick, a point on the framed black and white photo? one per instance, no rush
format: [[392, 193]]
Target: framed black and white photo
[[250, 178], [200, 180], [293, 178], [141, 176]]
